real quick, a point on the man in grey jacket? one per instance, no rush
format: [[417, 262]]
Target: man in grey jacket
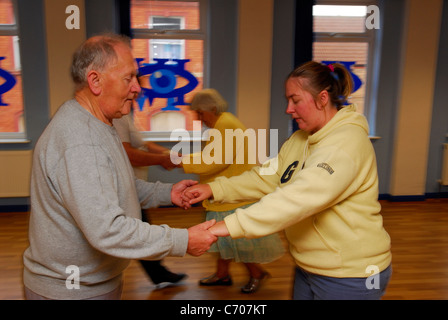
[[85, 222]]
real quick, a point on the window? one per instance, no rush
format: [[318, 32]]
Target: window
[[11, 101], [169, 41], [342, 35], [167, 48]]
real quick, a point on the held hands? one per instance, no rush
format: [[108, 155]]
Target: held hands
[[196, 193], [219, 229], [200, 238], [188, 192], [166, 162], [177, 193]]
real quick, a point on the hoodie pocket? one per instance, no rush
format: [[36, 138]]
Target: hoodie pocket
[[326, 240]]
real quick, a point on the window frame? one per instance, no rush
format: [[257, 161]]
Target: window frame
[[181, 41], [370, 37], [12, 30], [200, 34]]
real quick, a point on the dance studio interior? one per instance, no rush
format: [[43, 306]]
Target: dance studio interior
[[395, 50]]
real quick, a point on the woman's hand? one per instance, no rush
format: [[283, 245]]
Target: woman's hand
[[196, 193], [219, 229]]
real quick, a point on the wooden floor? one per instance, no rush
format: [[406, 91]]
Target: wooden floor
[[419, 232]]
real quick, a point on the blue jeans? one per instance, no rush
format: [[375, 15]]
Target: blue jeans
[[308, 286]]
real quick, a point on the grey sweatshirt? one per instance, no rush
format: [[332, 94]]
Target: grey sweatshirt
[[86, 210]]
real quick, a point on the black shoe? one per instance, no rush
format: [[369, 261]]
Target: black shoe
[[213, 280], [170, 277], [254, 283]]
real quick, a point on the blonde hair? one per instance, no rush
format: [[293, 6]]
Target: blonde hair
[[207, 99]]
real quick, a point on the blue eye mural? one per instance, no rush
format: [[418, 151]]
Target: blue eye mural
[[8, 84], [163, 78]]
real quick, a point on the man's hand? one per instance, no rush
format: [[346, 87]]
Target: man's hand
[[200, 238], [178, 189]]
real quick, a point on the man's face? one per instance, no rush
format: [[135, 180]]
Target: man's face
[[119, 85]]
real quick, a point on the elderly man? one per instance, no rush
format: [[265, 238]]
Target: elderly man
[[85, 221]]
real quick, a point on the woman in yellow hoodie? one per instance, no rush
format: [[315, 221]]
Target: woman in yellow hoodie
[[224, 157], [324, 193]]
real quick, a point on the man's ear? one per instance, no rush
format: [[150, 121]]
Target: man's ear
[[94, 81]]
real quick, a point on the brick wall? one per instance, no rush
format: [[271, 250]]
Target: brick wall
[[10, 115]]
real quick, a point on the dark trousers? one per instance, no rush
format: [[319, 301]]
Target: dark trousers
[[154, 269]]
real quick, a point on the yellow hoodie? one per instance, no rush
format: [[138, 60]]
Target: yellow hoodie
[[324, 194]]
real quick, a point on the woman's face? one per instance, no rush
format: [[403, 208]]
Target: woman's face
[[207, 117], [303, 108]]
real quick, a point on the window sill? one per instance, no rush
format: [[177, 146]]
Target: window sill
[[10, 141], [184, 136]]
